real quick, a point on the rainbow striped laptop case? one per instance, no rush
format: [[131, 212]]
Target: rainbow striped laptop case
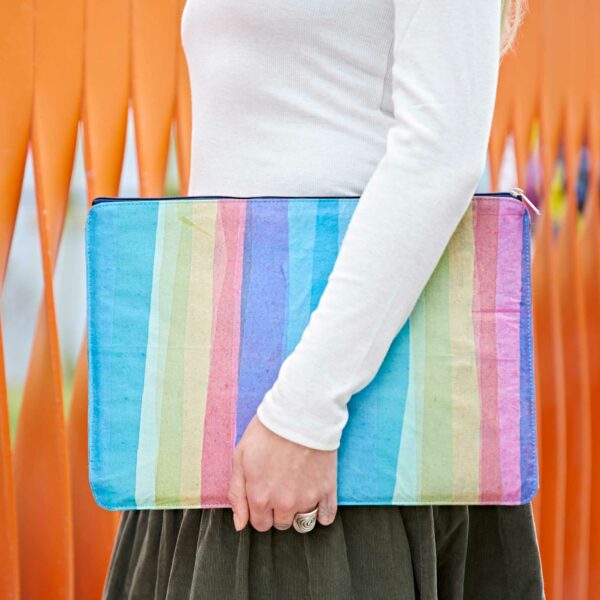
[[193, 303]]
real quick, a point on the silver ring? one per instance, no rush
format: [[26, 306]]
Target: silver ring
[[304, 522]]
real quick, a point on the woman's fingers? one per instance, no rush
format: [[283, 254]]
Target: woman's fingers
[[283, 513], [274, 478], [327, 509], [261, 511], [237, 493], [282, 521]]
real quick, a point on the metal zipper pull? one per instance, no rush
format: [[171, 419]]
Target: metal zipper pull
[[520, 194]]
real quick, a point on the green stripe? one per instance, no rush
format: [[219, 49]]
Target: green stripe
[[408, 482], [169, 245], [436, 458], [147, 455], [177, 252]]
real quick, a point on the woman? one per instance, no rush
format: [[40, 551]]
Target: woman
[[391, 100]]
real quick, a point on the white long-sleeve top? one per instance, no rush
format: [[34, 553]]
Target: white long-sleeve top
[[389, 100]]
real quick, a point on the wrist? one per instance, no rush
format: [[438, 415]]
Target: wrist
[[299, 426]]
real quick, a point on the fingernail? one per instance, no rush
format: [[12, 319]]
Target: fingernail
[[236, 522]]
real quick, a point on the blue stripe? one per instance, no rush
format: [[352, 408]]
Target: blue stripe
[[121, 271], [529, 474], [264, 305]]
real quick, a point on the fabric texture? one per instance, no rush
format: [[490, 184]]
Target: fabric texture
[[367, 553], [388, 100], [183, 346]]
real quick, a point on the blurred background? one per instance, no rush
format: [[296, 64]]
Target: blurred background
[[94, 100]]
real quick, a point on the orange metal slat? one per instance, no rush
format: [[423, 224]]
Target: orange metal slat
[[183, 113], [591, 264], [575, 361], [16, 42], [549, 382], [41, 463], [155, 35], [104, 114]]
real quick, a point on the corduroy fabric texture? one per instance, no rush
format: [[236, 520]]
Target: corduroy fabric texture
[[368, 552]]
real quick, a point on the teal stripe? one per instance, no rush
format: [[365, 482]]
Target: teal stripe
[[120, 358], [369, 457], [346, 209], [325, 247], [377, 408], [302, 221]]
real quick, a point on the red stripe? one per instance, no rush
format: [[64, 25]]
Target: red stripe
[[486, 215], [219, 422]]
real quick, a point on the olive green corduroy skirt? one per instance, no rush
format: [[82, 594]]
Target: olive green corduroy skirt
[[368, 552]]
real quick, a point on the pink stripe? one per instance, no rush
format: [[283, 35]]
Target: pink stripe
[[484, 323], [508, 296], [219, 427]]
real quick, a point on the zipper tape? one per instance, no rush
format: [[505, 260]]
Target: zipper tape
[[514, 193]]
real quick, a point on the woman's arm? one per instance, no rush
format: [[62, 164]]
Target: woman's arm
[[444, 77], [445, 71]]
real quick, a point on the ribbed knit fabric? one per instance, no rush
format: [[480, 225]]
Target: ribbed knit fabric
[[388, 100]]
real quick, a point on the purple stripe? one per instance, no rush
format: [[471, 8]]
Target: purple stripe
[[508, 298], [264, 305]]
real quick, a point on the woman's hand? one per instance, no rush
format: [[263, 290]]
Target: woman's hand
[[274, 478]]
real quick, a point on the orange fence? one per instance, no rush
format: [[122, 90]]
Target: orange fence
[[66, 61]]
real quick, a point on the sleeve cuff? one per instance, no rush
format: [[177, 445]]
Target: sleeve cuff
[[298, 426]]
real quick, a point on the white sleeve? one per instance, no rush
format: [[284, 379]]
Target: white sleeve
[[444, 78]]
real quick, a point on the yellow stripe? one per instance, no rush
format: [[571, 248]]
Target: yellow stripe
[[197, 351], [465, 391], [178, 251]]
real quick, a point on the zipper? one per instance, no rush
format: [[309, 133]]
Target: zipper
[[516, 192], [520, 194], [101, 200]]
